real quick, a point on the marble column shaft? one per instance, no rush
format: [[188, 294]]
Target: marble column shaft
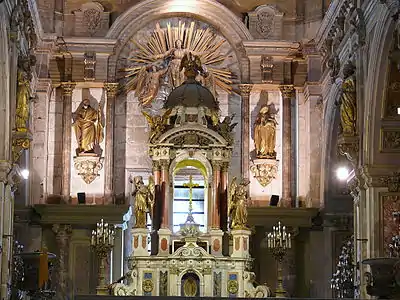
[[67, 89], [165, 194], [215, 209], [223, 203], [158, 196], [245, 90], [7, 220], [288, 93], [111, 89], [63, 234]]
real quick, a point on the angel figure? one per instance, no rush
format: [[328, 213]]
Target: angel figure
[[157, 124], [226, 127], [168, 46], [144, 200], [148, 84], [237, 204]]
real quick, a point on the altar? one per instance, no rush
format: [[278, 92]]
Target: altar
[[196, 222]]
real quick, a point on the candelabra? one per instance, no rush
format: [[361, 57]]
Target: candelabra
[[279, 241], [102, 243]]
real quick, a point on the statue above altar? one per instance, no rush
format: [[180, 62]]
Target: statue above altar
[[158, 63]]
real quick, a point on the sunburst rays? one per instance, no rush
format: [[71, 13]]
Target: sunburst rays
[[201, 41]]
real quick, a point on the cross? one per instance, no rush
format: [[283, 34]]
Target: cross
[[190, 185]]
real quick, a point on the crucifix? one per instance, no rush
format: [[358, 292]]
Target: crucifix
[[190, 185]]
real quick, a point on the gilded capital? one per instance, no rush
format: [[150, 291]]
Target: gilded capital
[[156, 165], [245, 89], [164, 164], [68, 87], [111, 88], [217, 165], [287, 91]]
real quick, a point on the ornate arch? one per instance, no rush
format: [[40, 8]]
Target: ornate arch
[[376, 83], [208, 11], [170, 136]]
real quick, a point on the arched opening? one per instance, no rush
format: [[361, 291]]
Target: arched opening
[[189, 179]]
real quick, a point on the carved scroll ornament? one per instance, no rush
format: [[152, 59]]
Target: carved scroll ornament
[[264, 173], [88, 167]]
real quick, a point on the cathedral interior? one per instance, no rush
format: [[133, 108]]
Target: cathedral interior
[[199, 148]]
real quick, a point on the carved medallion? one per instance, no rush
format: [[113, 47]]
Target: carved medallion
[[264, 24], [232, 287], [265, 172], [147, 285], [88, 167]]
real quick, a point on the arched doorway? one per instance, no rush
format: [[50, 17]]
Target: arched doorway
[[189, 176]]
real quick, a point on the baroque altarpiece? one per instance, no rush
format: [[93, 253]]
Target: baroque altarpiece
[[175, 123]]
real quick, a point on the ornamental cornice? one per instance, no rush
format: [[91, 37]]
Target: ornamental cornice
[[312, 89], [80, 45], [265, 47], [378, 175]]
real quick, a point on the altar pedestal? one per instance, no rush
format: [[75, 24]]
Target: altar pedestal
[[240, 243], [216, 242], [139, 242], [164, 241]]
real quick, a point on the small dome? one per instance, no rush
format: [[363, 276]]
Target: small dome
[[191, 94]]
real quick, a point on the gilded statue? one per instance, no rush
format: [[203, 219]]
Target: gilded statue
[[237, 204], [23, 98], [348, 102], [144, 200], [166, 49], [149, 83], [265, 133], [88, 128], [158, 124]]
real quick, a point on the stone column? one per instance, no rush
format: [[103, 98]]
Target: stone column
[[287, 169], [63, 234], [67, 89], [245, 90], [6, 228], [224, 197], [111, 89], [215, 203], [165, 223]]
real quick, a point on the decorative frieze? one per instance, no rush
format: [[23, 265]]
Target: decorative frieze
[[390, 140], [392, 182]]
